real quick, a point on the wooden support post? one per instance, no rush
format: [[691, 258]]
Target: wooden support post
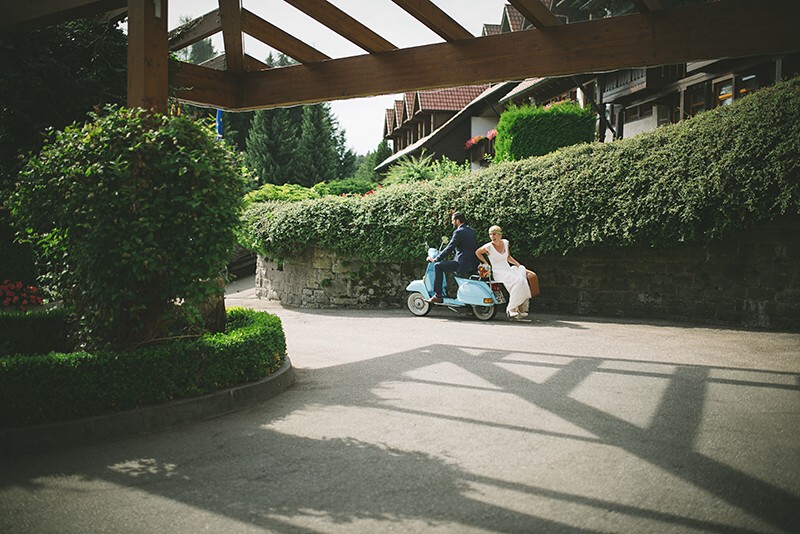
[[148, 82]]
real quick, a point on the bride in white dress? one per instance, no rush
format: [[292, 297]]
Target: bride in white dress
[[506, 269]]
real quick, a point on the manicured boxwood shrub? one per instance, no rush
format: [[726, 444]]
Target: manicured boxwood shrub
[[721, 172], [61, 386], [34, 332], [528, 131]]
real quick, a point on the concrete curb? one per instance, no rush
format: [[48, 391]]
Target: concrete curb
[[116, 426]]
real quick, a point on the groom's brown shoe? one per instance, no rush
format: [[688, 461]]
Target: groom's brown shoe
[[436, 299]]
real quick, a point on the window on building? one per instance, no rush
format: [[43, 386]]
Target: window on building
[[723, 92], [745, 84], [642, 111], [632, 114], [695, 99]]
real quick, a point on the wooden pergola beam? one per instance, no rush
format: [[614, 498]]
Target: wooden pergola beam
[[434, 18], [230, 14], [536, 13], [148, 85], [21, 16], [195, 30], [204, 86], [260, 29], [732, 28], [337, 20]]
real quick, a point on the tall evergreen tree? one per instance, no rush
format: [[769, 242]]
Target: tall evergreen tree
[[373, 158], [201, 51], [346, 163], [302, 145], [271, 144], [381, 153], [317, 157], [236, 128]]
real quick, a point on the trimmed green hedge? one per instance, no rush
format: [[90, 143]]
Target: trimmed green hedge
[[60, 386], [528, 131], [34, 332], [718, 173]]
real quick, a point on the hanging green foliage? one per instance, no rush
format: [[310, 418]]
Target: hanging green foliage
[[720, 172]]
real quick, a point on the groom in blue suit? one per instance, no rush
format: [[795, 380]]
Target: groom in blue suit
[[464, 242]]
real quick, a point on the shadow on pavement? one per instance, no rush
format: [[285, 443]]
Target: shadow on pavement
[[292, 466]]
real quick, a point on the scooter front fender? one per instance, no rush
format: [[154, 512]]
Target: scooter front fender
[[418, 286]]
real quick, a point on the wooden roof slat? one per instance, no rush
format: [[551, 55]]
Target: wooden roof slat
[[648, 6], [230, 14], [220, 63], [536, 13], [273, 36], [195, 30], [731, 28], [343, 24], [252, 64], [434, 18], [217, 62]]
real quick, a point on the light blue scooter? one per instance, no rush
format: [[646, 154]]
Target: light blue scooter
[[481, 295]]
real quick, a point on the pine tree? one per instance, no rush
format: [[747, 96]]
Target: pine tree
[[373, 158], [201, 51], [236, 128], [346, 163], [317, 158], [271, 145], [381, 153]]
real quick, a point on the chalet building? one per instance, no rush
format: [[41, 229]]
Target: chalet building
[[626, 102], [473, 121], [420, 113], [631, 101], [443, 121]]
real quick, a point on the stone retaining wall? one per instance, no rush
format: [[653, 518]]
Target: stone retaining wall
[[750, 281], [320, 279]]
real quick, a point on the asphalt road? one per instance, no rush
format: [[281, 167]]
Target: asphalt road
[[448, 424]]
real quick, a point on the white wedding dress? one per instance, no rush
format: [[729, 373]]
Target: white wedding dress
[[513, 277]]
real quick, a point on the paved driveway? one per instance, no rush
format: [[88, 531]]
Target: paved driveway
[[448, 424]]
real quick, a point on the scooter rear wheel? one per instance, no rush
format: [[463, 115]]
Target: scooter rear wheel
[[418, 305], [484, 313]]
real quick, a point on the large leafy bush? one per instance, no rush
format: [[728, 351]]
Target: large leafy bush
[[527, 131], [50, 77], [57, 386], [717, 173], [133, 213]]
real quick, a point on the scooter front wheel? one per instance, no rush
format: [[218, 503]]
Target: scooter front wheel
[[418, 305], [484, 313]]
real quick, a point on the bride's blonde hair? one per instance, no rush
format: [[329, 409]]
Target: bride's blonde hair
[[496, 230]]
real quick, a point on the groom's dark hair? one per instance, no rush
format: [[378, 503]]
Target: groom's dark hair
[[460, 217]]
